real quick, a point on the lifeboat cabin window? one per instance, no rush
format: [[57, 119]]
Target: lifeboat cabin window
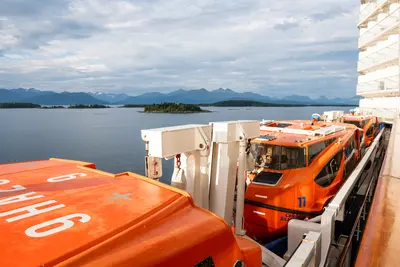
[[371, 130], [278, 157], [315, 149], [328, 174], [349, 148], [359, 124]]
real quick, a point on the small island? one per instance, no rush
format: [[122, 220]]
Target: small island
[[52, 107], [173, 108], [134, 106], [88, 106], [18, 105]]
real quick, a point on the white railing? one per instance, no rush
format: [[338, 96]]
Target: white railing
[[380, 74], [386, 24], [366, 10], [378, 87], [376, 56], [371, 10], [392, 40]]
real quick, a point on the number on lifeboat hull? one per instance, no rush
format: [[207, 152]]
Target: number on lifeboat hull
[[51, 227]]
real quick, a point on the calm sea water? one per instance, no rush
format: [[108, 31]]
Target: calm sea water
[[110, 138]]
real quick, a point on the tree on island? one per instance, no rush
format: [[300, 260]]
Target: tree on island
[[18, 105], [174, 108], [88, 106]]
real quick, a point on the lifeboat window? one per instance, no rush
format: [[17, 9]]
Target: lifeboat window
[[283, 125], [315, 149], [278, 157], [328, 174], [359, 124], [208, 262], [349, 148], [370, 130], [270, 178]]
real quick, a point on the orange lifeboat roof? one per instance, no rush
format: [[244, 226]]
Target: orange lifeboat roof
[[67, 212], [301, 132], [349, 117]]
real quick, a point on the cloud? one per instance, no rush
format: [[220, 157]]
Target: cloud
[[265, 46]]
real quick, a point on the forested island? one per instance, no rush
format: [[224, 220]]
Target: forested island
[[52, 107], [18, 105], [173, 108], [31, 105], [134, 106], [88, 106]]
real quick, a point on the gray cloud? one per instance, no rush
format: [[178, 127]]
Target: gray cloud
[[274, 47]]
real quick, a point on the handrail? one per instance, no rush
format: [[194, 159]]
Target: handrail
[[356, 222], [307, 251], [337, 203], [340, 198], [331, 213]]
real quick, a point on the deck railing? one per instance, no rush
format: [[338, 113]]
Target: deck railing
[[348, 207]]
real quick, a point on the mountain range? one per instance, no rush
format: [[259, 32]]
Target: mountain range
[[198, 96]]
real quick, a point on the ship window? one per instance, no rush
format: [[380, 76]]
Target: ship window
[[315, 149], [328, 174], [278, 157]]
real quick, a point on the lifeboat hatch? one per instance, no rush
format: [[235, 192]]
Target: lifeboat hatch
[[283, 125], [267, 178], [267, 137]]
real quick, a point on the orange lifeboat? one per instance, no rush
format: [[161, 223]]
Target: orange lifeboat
[[67, 213], [369, 124], [299, 167]]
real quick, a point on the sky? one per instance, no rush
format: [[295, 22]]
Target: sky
[[276, 48]]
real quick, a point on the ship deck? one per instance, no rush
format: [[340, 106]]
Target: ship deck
[[379, 246]]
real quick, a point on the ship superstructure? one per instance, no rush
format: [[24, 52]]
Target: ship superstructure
[[379, 55]]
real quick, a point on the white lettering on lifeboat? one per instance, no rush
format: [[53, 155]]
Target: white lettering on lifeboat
[[66, 221], [15, 187], [65, 177], [19, 198], [29, 211], [32, 211]]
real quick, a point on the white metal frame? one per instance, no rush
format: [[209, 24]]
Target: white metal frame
[[320, 131]]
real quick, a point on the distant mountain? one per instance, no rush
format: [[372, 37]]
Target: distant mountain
[[19, 94], [198, 96], [35, 96], [9, 96], [298, 98], [203, 96], [109, 97], [64, 98]]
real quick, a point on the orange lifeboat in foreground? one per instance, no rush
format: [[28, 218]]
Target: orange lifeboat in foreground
[[299, 167], [369, 124], [60, 212]]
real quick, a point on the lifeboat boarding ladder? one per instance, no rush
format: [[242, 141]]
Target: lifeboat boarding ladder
[[207, 158]]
